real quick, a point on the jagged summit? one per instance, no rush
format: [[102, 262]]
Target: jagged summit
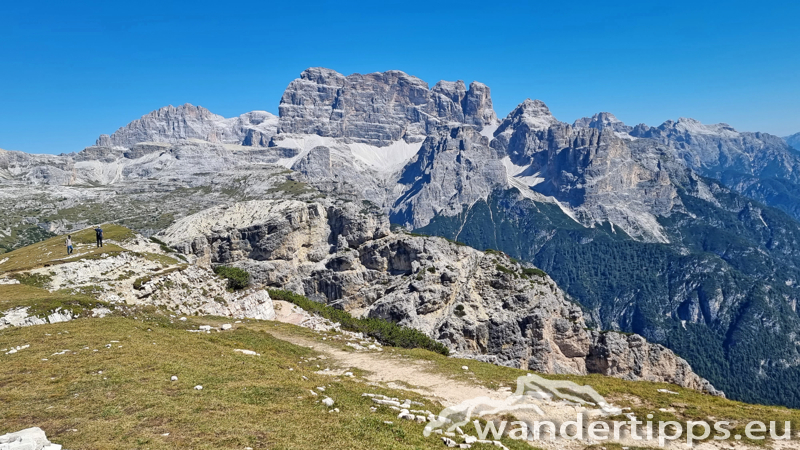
[[603, 121], [533, 113], [379, 108]]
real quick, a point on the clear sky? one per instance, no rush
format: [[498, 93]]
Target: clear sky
[[70, 71]]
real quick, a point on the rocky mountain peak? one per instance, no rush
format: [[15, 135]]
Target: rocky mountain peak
[[530, 118], [172, 124], [534, 113], [321, 75], [603, 121], [379, 108]]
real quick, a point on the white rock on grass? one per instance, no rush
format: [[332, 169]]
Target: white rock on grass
[[246, 352], [27, 439], [198, 388], [174, 378], [226, 326], [13, 350], [386, 402], [327, 401]]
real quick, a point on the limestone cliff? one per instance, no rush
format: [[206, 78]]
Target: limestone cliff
[[481, 304]]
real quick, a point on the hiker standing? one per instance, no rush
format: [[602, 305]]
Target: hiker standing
[[69, 244], [99, 234]]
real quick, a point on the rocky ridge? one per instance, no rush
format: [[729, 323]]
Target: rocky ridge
[[173, 124], [482, 305]]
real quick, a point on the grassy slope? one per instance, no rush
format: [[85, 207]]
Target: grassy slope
[[245, 401], [42, 302], [53, 250]]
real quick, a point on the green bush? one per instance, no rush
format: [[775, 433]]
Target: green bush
[[506, 270], [238, 279], [386, 332], [529, 272]]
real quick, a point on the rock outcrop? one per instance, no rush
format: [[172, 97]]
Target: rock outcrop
[[482, 305]]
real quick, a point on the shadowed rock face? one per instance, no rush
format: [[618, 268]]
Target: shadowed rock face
[[380, 107], [482, 305]]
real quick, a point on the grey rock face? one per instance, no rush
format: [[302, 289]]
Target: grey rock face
[[454, 167], [632, 357], [173, 124], [482, 305], [378, 108], [589, 168]]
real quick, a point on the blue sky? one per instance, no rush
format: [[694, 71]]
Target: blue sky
[[70, 71]]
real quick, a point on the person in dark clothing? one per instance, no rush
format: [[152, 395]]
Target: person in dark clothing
[[99, 235]]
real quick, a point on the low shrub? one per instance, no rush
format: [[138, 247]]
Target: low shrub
[[386, 332], [529, 272], [506, 270], [238, 279]]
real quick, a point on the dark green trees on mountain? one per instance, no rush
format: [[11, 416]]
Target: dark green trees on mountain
[[720, 294]]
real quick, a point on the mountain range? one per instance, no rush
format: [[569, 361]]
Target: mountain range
[[685, 233]]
